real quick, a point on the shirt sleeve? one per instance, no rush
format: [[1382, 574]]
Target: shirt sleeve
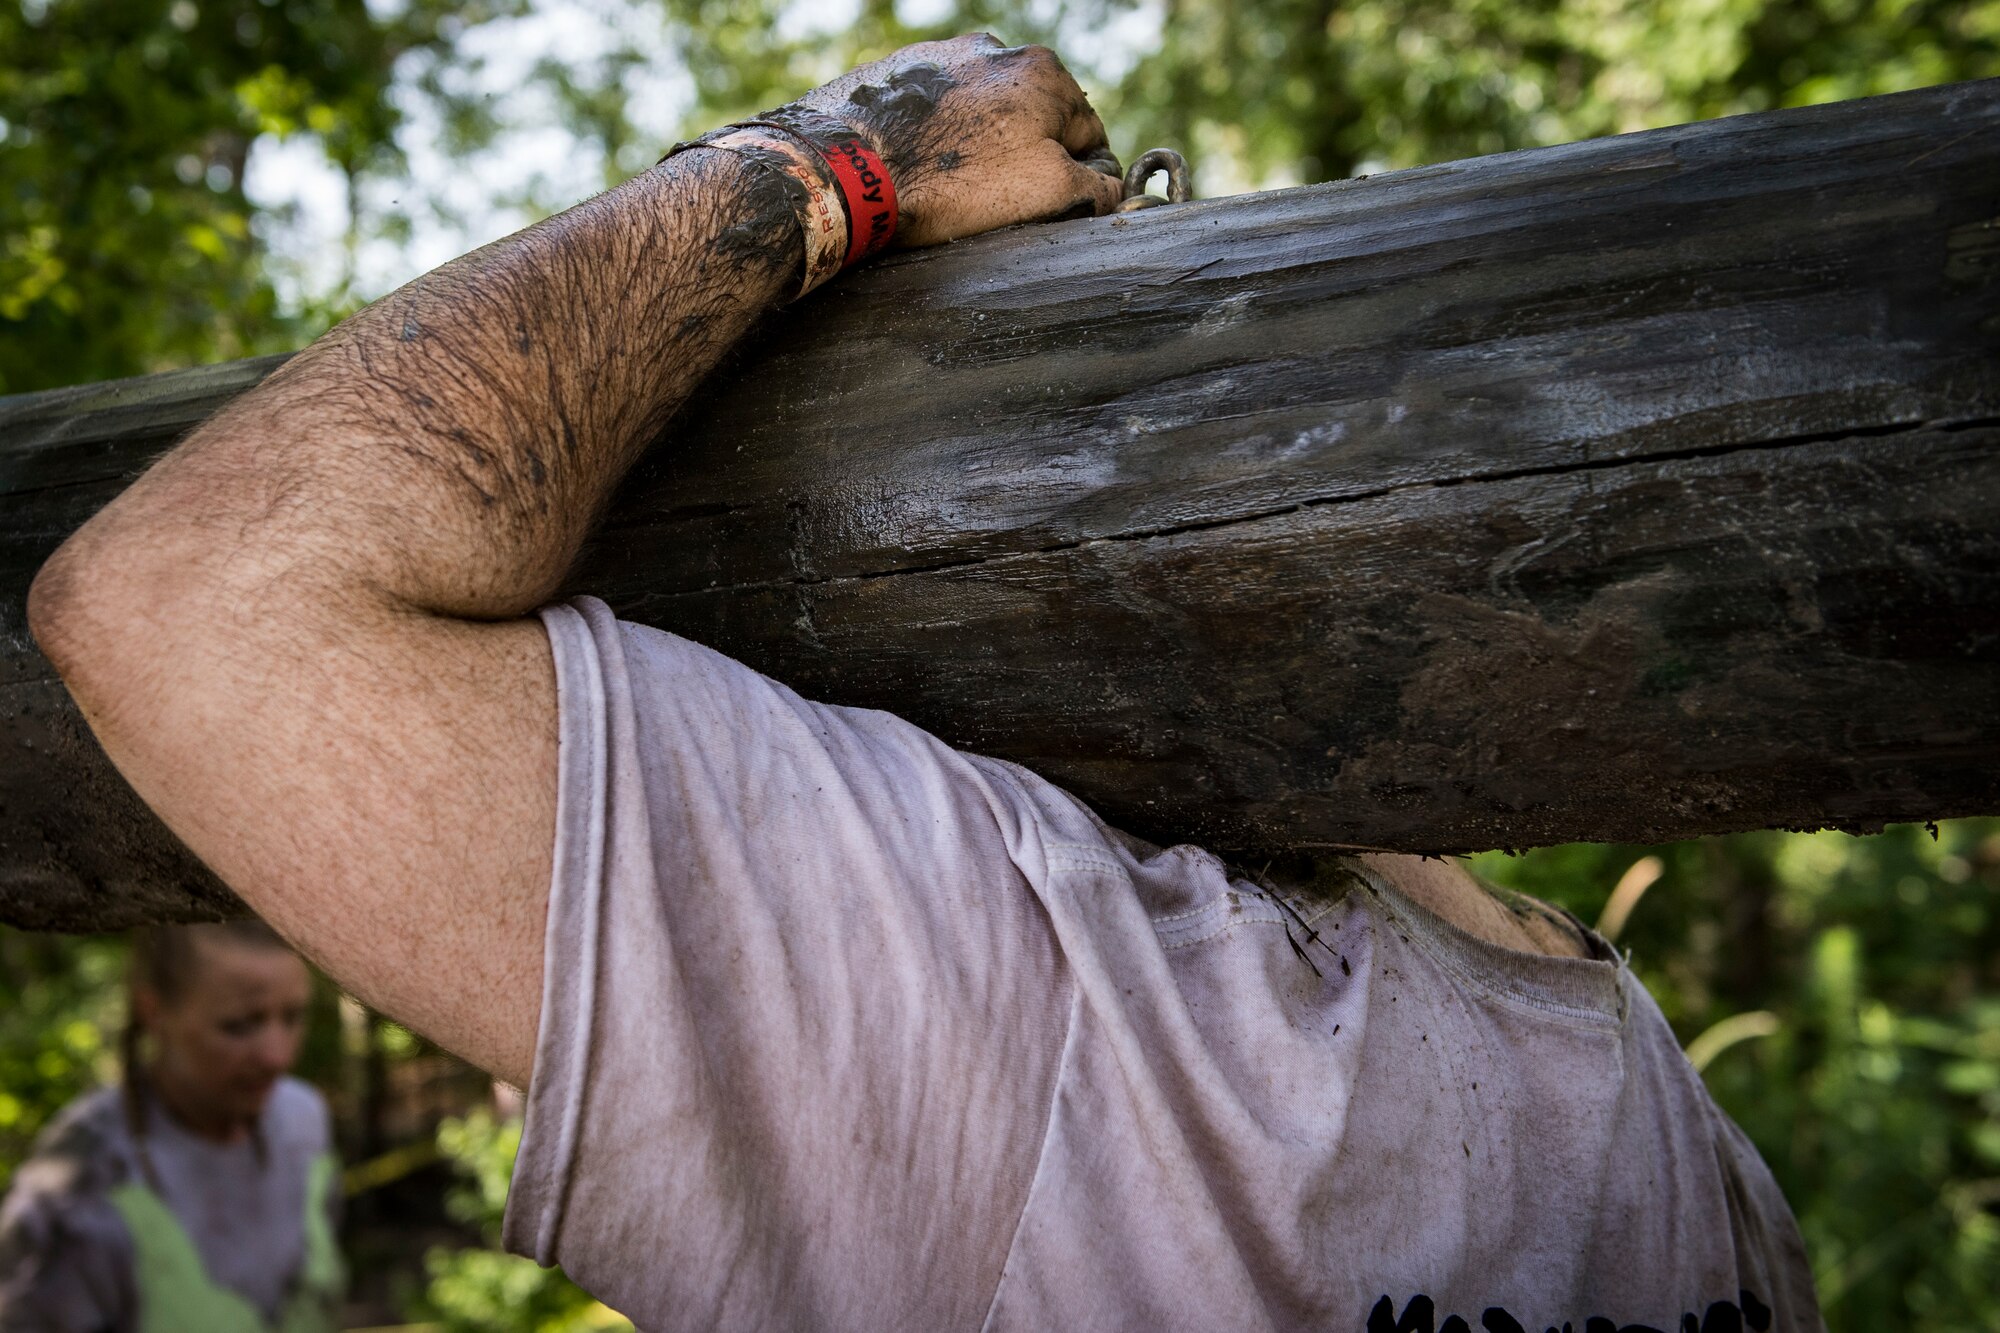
[[802, 1010]]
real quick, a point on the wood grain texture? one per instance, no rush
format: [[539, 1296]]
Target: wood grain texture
[[1641, 488]]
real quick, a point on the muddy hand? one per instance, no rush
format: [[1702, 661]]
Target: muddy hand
[[976, 135]]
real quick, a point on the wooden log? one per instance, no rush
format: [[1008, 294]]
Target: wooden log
[[1634, 489]]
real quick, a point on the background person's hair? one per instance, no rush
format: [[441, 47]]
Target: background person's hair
[[165, 960]]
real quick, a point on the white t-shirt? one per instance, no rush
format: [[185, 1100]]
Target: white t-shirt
[[845, 1029]]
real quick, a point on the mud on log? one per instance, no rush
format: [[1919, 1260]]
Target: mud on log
[[1640, 488]]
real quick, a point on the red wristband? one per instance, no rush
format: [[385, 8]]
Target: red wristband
[[868, 192]]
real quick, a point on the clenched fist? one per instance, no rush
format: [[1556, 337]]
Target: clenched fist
[[976, 135]]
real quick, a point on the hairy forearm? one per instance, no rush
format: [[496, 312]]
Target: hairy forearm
[[447, 447], [444, 451]]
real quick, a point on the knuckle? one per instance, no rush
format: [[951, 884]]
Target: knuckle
[[1036, 57]]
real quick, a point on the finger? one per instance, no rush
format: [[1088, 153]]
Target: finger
[[1106, 191], [1077, 189], [1083, 133], [1051, 186], [1046, 184]]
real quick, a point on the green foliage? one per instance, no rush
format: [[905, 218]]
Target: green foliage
[[1876, 1101], [61, 1007], [126, 241], [1374, 84], [485, 1291]]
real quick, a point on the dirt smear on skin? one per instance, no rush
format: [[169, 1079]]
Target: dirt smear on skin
[[906, 99]]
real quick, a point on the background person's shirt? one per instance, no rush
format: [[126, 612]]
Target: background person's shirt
[[845, 1029], [66, 1256]]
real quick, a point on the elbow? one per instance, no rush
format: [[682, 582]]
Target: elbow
[[87, 612], [57, 610]]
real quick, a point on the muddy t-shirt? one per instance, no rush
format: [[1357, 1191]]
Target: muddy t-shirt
[[845, 1029]]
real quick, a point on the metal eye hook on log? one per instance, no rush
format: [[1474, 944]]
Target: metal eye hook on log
[[1179, 187]]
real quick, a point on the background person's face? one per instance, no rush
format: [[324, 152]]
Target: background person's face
[[225, 1041]]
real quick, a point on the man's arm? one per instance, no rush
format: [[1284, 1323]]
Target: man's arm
[[301, 635]]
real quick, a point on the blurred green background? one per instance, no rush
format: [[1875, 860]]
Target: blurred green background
[[184, 181]]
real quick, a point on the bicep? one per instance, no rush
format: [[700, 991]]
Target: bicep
[[380, 786]]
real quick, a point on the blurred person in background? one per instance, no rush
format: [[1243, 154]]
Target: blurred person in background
[[198, 1195]]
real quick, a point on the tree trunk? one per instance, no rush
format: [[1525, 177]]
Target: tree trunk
[[1635, 489]]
